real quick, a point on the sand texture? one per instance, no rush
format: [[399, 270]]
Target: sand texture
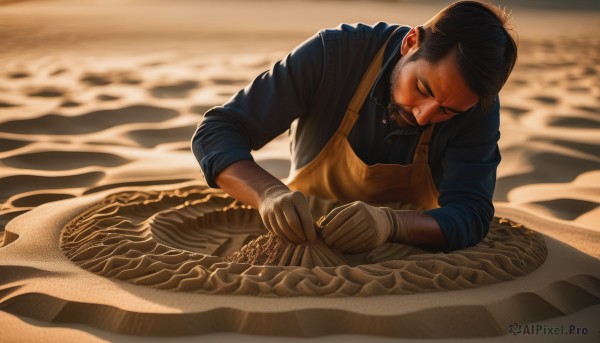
[[182, 241], [40, 282], [109, 233]]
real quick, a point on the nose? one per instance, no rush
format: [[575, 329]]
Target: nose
[[425, 111]]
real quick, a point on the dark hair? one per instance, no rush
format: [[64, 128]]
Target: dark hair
[[485, 51]]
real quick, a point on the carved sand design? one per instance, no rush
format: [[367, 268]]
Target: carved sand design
[[185, 240], [269, 249]]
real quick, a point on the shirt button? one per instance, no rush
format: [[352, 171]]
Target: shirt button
[[384, 121], [389, 141]]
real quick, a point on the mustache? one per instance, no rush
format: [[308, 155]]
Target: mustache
[[401, 115]]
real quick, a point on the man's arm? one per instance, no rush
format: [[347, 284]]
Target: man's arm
[[246, 181], [420, 229], [358, 227], [255, 115], [468, 178], [260, 112]]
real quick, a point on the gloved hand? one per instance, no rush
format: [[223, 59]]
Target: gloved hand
[[287, 214], [359, 227]]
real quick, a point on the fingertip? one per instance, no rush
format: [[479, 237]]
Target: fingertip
[[308, 228], [287, 230], [293, 239], [332, 214]]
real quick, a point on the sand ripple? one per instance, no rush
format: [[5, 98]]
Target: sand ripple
[[53, 124], [180, 240]]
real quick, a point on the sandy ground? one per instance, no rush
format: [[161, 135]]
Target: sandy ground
[[98, 97]]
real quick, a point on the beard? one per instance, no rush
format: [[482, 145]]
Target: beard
[[400, 115]]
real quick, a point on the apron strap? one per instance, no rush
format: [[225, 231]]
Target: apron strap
[[363, 89], [421, 155]]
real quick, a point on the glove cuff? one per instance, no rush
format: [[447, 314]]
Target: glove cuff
[[273, 189], [399, 231]]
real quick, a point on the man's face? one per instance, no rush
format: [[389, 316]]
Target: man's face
[[424, 93]]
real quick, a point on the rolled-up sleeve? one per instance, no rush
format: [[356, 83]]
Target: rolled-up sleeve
[[259, 112], [468, 180]]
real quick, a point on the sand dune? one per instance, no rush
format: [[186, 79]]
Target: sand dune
[[107, 230]]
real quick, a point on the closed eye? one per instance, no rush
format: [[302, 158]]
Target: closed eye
[[420, 91], [443, 109], [430, 93]]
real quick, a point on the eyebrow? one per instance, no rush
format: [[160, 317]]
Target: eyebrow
[[430, 92]]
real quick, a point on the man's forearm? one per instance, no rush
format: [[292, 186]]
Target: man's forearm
[[420, 229], [246, 181]]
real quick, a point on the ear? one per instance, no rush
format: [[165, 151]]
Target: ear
[[410, 43]]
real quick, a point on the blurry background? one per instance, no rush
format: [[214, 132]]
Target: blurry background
[[227, 25]]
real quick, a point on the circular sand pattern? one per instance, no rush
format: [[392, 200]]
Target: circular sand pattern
[[184, 240]]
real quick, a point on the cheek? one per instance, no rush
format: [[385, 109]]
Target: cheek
[[403, 87], [401, 91]]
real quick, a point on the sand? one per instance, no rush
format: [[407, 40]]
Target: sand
[[107, 231], [198, 240]]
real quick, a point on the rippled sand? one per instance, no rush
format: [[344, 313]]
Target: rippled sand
[[199, 241]]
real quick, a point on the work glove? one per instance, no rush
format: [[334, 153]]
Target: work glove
[[287, 214], [358, 227]]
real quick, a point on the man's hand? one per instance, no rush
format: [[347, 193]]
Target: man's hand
[[358, 227], [287, 214], [283, 212]]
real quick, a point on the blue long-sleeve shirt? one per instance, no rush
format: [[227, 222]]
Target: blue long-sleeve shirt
[[308, 93]]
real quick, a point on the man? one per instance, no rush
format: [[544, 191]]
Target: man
[[377, 114]]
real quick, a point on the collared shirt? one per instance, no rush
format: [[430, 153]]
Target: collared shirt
[[308, 93]]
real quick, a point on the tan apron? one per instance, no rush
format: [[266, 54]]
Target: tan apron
[[337, 173]]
